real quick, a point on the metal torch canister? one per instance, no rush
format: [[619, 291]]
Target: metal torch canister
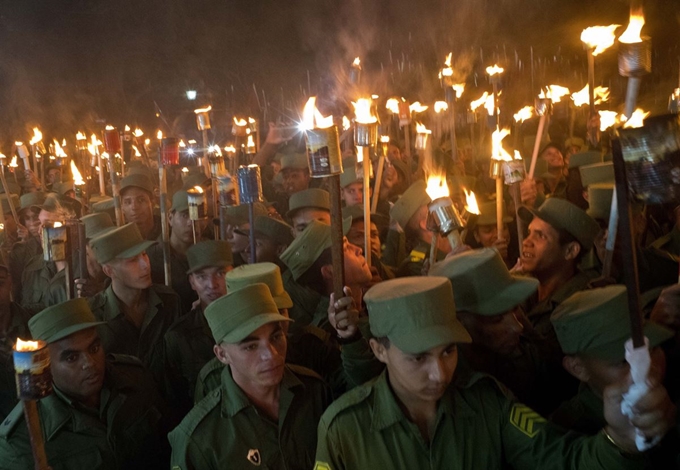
[[543, 106], [111, 141], [32, 370], [22, 150], [196, 200], [323, 152], [422, 139], [239, 131], [226, 190], [365, 135], [404, 114], [170, 151], [446, 215], [249, 184], [216, 162], [54, 241], [514, 172], [203, 121], [635, 59], [674, 102]]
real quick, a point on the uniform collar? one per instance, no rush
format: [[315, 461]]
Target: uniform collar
[[58, 410], [114, 304]]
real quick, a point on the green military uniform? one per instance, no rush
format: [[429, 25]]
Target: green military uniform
[[225, 430], [35, 282], [21, 252], [401, 212], [18, 328], [413, 264]]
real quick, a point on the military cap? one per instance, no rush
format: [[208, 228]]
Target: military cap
[[308, 246], [295, 161], [61, 320], [575, 142], [356, 212], [5, 203], [180, 201], [595, 323], [236, 315], [487, 216], [104, 205], [562, 214], [195, 178], [400, 166], [137, 168], [238, 215], [274, 229], [350, 173], [62, 187], [597, 173], [137, 181], [482, 283], [209, 254], [408, 204], [580, 159], [415, 313], [120, 243], [264, 273], [96, 224], [312, 197], [600, 200], [29, 200]]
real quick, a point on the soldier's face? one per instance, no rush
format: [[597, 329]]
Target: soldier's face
[[136, 205], [353, 194], [420, 377], [303, 217], [238, 241], [257, 361], [78, 365], [209, 283], [180, 223], [134, 273], [31, 221], [541, 251], [295, 180], [266, 251], [486, 235], [356, 236], [499, 333], [53, 176], [356, 269]]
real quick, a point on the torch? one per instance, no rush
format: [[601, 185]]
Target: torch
[[596, 40], [169, 155], [78, 182], [55, 244], [13, 165], [365, 137], [498, 159], [196, 199], [240, 132], [93, 148], [3, 159], [323, 155], [487, 101], [22, 151], [36, 141], [7, 195], [254, 129], [385, 145], [33, 381], [443, 215], [543, 109], [355, 72], [423, 145], [514, 173], [582, 97], [112, 147], [452, 91], [635, 59], [216, 161], [674, 102], [81, 145], [250, 192], [203, 124], [495, 77]]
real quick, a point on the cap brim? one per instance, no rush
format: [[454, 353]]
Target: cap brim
[[242, 332], [215, 264], [72, 329], [615, 351], [135, 250], [431, 337], [507, 299], [283, 300]]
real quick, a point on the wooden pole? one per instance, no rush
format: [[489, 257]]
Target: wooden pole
[[337, 237], [378, 182], [367, 202], [537, 145], [251, 232], [115, 189], [35, 434], [165, 231]]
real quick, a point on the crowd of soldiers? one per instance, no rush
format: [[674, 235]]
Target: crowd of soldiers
[[492, 356]]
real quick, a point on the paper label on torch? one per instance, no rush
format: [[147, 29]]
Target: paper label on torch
[[323, 152]]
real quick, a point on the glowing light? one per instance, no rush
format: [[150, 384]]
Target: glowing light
[[77, 177], [250, 144], [471, 202], [203, 110], [215, 149], [489, 104], [636, 120], [392, 105], [80, 136], [13, 163], [417, 107], [159, 134], [137, 154], [230, 149], [447, 71], [436, 187], [109, 127], [384, 139], [362, 111], [632, 33], [37, 136], [191, 95], [58, 150], [554, 92], [494, 70], [312, 118], [599, 38], [459, 88], [182, 144], [198, 189], [138, 133], [240, 122], [127, 128], [497, 150], [25, 346], [607, 119], [582, 97], [345, 123], [523, 114], [421, 129], [440, 106], [357, 63], [479, 102]]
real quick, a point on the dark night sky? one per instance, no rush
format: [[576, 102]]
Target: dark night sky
[[69, 64]]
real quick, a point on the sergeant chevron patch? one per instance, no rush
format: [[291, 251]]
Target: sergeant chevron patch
[[524, 419]]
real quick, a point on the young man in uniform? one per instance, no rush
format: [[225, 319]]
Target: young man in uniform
[[308, 205], [416, 416], [272, 237], [136, 196]]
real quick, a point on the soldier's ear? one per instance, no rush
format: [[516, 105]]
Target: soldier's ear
[[575, 367], [571, 250], [106, 268], [221, 354], [379, 350], [327, 271]]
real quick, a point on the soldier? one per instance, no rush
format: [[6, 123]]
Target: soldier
[[136, 312], [136, 195], [295, 171], [415, 415], [355, 236], [28, 231], [238, 221], [484, 231], [264, 412], [188, 343], [351, 183], [272, 237], [305, 206], [95, 224], [103, 412]]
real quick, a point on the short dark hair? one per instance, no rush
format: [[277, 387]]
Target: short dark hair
[[384, 341], [564, 238]]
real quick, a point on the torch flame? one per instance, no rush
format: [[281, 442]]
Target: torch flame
[[58, 150], [518, 156], [137, 154], [80, 136], [198, 189], [37, 136], [554, 92], [215, 149], [77, 177], [477, 103], [636, 120], [436, 187], [18, 144], [13, 163], [632, 33], [109, 127], [581, 98], [607, 119], [127, 128], [93, 144], [498, 152], [240, 122], [203, 110], [3, 156], [159, 134], [384, 139], [471, 202], [362, 111], [494, 70], [250, 144], [357, 62], [25, 346], [230, 149], [599, 38], [459, 88], [447, 71], [440, 106], [392, 105], [488, 104], [523, 114], [417, 107], [138, 133], [345, 123], [421, 129], [447, 62], [57, 224], [312, 118]]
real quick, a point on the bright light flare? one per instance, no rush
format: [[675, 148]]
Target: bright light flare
[[523, 114], [582, 97], [632, 33], [417, 107], [26, 346], [312, 118], [363, 111], [58, 150], [479, 102], [80, 136], [494, 70], [421, 129], [459, 88], [436, 187], [599, 38], [345, 123], [77, 177], [203, 110], [37, 136], [497, 150], [392, 105], [554, 93], [240, 122], [440, 106], [471, 202], [13, 163], [138, 133], [636, 120]]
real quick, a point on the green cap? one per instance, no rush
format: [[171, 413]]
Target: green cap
[[96, 224], [105, 205], [236, 315], [136, 180], [487, 216], [180, 201], [580, 159], [62, 187], [5, 203], [350, 173], [312, 197], [260, 273], [31, 199], [238, 215], [598, 173], [209, 254], [195, 178], [120, 243], [308, 246], [61, 320], [415, 313], [600, 200], [295, 161], [596, 323], [274, 229], [482, 283], [562, 214], [408, 204]]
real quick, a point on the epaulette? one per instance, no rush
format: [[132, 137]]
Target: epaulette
[[350, 399], [13, 418], [211, 366], [200, 411], [303, 371], [416, 256], [97, 301], [124, 360]]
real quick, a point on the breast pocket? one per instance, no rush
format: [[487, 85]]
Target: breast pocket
[[84, 459]]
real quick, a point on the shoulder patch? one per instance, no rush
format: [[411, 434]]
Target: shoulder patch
[[416, 256], [10, 422], [525, 419], [350, 399], [322, 466]]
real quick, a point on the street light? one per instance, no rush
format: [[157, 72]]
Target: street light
[[191, 95]]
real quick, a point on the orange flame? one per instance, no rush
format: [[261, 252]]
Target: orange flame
[[479, 102], [607, 119], [230, 149], [203, 110], [498, 152], [632, 33], [599, 38], [362, 111], [26, 346], [159, 134], [459, 88], [312, 118], [13, 163], [345, 123], [440, 106], [384, 139], [471, 202], [494, 70], [582, 97], [392, 105], [58, 150], [523, 114], [554, 92], [421, 129], [80, 136], [77, 177], [37, 136], [138, 133], [417, 107], [357, 63], [436, 187], [109, 127], [240, 122], [636, 120], [250, 144]]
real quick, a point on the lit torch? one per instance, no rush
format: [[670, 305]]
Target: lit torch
[[355, 72], [452, 91], [112, 146], [496, 170], [78, 181], [635, 58], [443, 218], [203, 125]]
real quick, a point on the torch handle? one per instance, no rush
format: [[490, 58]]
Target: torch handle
[[251, 232], [367, 206], [378, 182], [632, 91], [9, 198], [337, 238], [162, 176], [35, 434], [499, 207], [407, 150], [537, 145], [515, 192], [115, 189], [82, 252], [591, 82], [611, 236], [216, 207]]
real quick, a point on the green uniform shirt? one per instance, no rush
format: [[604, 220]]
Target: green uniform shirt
[[120, 336], [583, 413], [18, 328], [21, 252], [478, 427], [124, 433], [35, 282], [225, 430], [309, 307], [413, 264]]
